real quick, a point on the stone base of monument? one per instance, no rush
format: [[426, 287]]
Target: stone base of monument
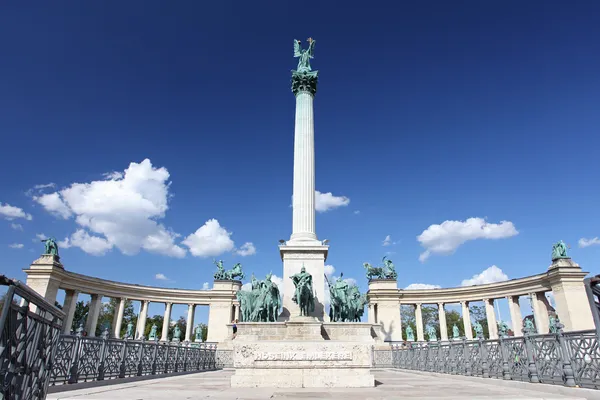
[[302, 353]]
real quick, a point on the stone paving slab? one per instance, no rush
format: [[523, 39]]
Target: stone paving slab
[[391, 384]]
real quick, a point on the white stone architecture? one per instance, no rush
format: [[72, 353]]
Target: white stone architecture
[[564, 279], [47, 275]]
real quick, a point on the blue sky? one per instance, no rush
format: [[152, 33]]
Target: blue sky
[[426, 112]]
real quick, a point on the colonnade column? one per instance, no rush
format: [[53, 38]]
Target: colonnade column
[[142, 319], [69, 307], [94, 311], [466, 315], [442, 319], [118, 321], [189, 327], [166, 322], [540, 312], [516, 319], [491, 318], [419, 322]]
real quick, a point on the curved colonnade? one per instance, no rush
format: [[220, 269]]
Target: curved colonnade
[[564, 279], [47, 275]]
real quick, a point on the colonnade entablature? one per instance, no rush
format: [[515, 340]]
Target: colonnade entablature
[[47, 276], [564, 278]]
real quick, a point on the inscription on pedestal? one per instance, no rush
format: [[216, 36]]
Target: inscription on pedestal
[[304, 356]]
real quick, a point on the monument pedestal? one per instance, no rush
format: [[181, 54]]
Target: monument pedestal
[[302, 353]]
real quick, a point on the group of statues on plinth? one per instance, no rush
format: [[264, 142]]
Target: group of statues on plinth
[[262, 303], [346, 303], [387, 271]]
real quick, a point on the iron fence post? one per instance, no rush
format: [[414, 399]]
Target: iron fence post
[[122, 366], [74, 369], [529, 349], [140, 367], [483, 354], [569, 376], [102, 358], [154, 354], [504, 354]]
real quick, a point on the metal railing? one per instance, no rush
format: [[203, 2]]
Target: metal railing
[[29, 331], [84, 359], [570, 359]]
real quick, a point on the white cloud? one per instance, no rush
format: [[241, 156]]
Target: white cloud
[[247, 249], [247, 287], [490, 275], [11, 212], [210, 240], [206, 286], [16, 245], [583, 242], [39, 236], [356, 212], [39, 188], [445, 238], [94, 245], [416, 286], [161, 277], [123, 208], [388, 241], [16, 227], [329, 270], [327, 201]]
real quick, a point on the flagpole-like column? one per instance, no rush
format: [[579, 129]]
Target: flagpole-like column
[[304, 87]]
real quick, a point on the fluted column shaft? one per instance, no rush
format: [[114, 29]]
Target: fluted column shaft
[[419, 322], [69, 307], [118, 321], [491, 318], [466, 315], [142, 319], [189, 327], [166, 322], [442, 319], [303, 224], [516, 319]]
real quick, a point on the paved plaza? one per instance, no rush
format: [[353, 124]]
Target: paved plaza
[[390, 385]]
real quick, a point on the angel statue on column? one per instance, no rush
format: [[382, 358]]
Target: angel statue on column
[[304, 54]]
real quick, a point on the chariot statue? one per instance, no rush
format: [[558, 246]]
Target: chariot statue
[[387, 271], [303, 295], [228, 275]]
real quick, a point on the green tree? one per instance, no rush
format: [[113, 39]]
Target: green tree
[[478, 315], [155, 320], [453, 317], [80, 316]]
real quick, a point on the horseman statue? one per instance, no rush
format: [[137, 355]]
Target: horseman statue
[[228, 275], [304, 296], [387, 271], [262, 302], [346, 302]]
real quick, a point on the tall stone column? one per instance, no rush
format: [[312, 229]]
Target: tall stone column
[[118, 321], [69, 307], [142, 320], [419, 322], [94, 311], [189, 327], [491, 318], [540, 312], [442, 319], [466, 315], [166, 322], [303, 249], [516, 319]]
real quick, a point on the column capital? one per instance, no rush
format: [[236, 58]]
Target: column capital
[[464, 303], [418, 305], [304, 82], [168, 304], [146, 302], [191, 305], [441, 304]]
